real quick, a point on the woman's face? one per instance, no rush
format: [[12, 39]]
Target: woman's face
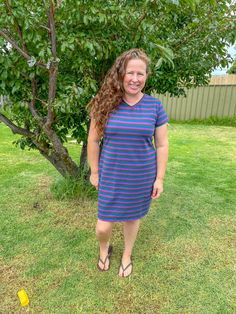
[[135, 77]]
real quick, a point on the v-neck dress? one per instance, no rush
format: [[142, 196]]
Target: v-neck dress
[[127, 164]]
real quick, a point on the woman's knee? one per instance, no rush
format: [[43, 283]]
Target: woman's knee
[[103, 229], [132, 223]]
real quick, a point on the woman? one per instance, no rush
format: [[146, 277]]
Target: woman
[[125, 172]]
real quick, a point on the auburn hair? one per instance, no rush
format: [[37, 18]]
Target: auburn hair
[[111, 92]]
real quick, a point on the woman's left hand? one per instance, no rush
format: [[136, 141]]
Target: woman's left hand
[[157, 189]]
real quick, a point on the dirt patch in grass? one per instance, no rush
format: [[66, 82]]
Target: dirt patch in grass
[[75, 213], [223, 223], [12, 280]]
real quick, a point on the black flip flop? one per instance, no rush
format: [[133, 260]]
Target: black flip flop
[[124, 269], [110, 249]]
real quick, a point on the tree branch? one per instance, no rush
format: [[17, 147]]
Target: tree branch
[[4, 34], [42, 148], [31, 104], [201, 26], [42, 101], [53, 66], [52, 28], [15, 129], [45, 27], [17, 25]]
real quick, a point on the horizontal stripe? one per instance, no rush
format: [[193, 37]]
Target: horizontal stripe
[[150, 114], [121, 215], [126, 137], [121, 180], [122, 198], [123, 175], [121, 212], [135, 164], [126, 123], [136, 176], [161, 123], [115, 193], [125, 190], [115, 168], [122, 144], [118, 185], [139, 160], [117, 116], [148, 110], [164, 118], [126, 206], [124, 218], [136, 126], [118, 143], [118, 150], [124, 201], [139, 163], [146, 159], [110, 186], [128, 153], [113, 132]]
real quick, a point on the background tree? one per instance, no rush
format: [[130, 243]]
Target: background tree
[[54, 56], [232, 69]]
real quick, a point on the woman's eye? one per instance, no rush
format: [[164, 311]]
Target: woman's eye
[[132, 73]]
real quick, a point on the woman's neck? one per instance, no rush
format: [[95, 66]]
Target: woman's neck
[[132, 99]]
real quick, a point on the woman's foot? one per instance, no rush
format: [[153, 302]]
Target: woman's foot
[[104, 259], [126, 267]]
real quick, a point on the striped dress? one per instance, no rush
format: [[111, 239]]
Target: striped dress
[[127, 164]]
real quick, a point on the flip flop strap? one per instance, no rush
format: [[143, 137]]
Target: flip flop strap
[[104, 260], [124, 269], [108, 256]]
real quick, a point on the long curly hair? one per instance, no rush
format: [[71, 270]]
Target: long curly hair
[[111, 92]]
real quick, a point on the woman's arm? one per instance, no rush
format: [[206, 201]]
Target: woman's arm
[[93, 151], [161, 144]]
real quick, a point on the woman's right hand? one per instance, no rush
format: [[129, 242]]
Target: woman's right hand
[[94, 178]]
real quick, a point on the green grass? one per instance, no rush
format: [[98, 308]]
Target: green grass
[[184, 257], [213, 120]]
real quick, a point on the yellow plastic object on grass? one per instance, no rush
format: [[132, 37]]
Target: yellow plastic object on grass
[[24, 299]]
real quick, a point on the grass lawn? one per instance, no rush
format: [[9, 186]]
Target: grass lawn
[[184, 258]]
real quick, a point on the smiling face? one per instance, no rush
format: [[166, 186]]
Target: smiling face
[[134, 78]]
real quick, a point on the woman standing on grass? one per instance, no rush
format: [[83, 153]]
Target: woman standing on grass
[[126, 173]]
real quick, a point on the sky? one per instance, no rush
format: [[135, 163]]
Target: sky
[[232, 52]]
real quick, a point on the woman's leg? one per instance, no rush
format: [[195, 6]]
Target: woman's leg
[[130, 234], [103, 234]]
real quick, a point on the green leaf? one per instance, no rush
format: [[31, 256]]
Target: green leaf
[[31, 62]]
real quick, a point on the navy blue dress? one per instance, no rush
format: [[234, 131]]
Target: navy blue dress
[[127, 164]]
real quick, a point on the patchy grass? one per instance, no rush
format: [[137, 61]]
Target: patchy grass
[[184, 258]]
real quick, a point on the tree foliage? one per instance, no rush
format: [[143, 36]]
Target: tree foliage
[[55, 54], [232, 69]]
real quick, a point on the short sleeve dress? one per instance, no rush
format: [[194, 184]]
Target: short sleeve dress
[[127, 164]]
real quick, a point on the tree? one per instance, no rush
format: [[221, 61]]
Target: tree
[[232, 69], [54, 56]]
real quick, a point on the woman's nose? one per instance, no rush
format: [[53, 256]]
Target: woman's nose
[[134, 77]]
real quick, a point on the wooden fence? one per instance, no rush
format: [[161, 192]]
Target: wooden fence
[[201, 103]]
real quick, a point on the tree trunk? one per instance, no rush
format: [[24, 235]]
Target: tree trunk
[[64, 164], [58, 157]]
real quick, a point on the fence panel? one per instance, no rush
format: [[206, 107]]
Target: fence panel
[[201, 103]]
